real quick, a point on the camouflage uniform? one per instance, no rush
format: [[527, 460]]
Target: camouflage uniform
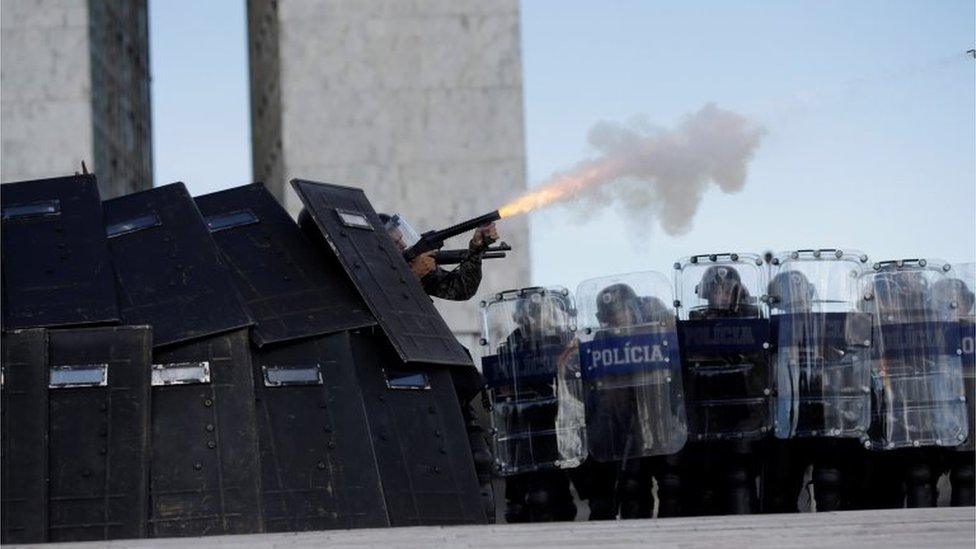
[[459, 284]]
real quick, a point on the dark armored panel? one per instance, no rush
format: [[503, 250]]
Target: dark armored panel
[[205, 473], [318, 467], [169, 271], [347, 222], [291, 288], [419, 437], [56, 267], [23, 438], [99, 419]]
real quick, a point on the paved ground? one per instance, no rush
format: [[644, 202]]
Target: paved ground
[[916, 528]]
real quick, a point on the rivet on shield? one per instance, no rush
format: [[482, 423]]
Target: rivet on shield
[[331, 444], [197, 466], [210, 427], [766, 391], [208, 403], [211, 444], [765, 344], [677, 266]]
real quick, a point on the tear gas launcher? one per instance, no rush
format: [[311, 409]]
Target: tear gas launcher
[[434, 240]]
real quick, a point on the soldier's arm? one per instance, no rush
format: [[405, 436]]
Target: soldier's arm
[[459, 284]]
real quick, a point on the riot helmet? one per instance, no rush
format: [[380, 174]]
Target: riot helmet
[[540, 314], [654, 309], [722, 288], [402, 233], [951, 293], [792, 292], [617, 305]]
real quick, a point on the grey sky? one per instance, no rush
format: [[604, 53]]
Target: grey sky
[[870, 110]]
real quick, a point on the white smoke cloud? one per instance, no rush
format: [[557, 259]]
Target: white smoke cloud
[[659, 176]]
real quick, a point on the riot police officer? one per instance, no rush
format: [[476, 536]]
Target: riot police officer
[[727, 382], [956, 293], [536, 428], [632, 380], [918, 396], [540, 495], [822, 407]]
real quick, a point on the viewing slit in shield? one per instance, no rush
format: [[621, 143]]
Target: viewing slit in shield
[[318, 466], [205, 471], [56, 268], [23, 437]]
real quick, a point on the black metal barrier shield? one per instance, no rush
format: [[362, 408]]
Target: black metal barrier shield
[[727, 376], [23, 450], [99, 423], [419, 437], [169, 271], [318, 467], [345, 219], [56, 267], [205, 473], [291, 289]]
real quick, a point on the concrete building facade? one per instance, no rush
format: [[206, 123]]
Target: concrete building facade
[[74, 86], [419, 102]]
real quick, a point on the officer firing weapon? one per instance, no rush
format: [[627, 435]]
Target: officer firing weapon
[[453, 257], [434, 240]]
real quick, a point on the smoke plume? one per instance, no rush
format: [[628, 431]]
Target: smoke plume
[[654, 176]]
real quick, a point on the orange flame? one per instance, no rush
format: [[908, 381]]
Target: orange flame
[[562, 187]]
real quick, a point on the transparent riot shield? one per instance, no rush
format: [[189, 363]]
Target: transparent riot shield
[[962, 288], [725, 342], [532, 371], [821, 359], [916, 364], [630, 366]]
